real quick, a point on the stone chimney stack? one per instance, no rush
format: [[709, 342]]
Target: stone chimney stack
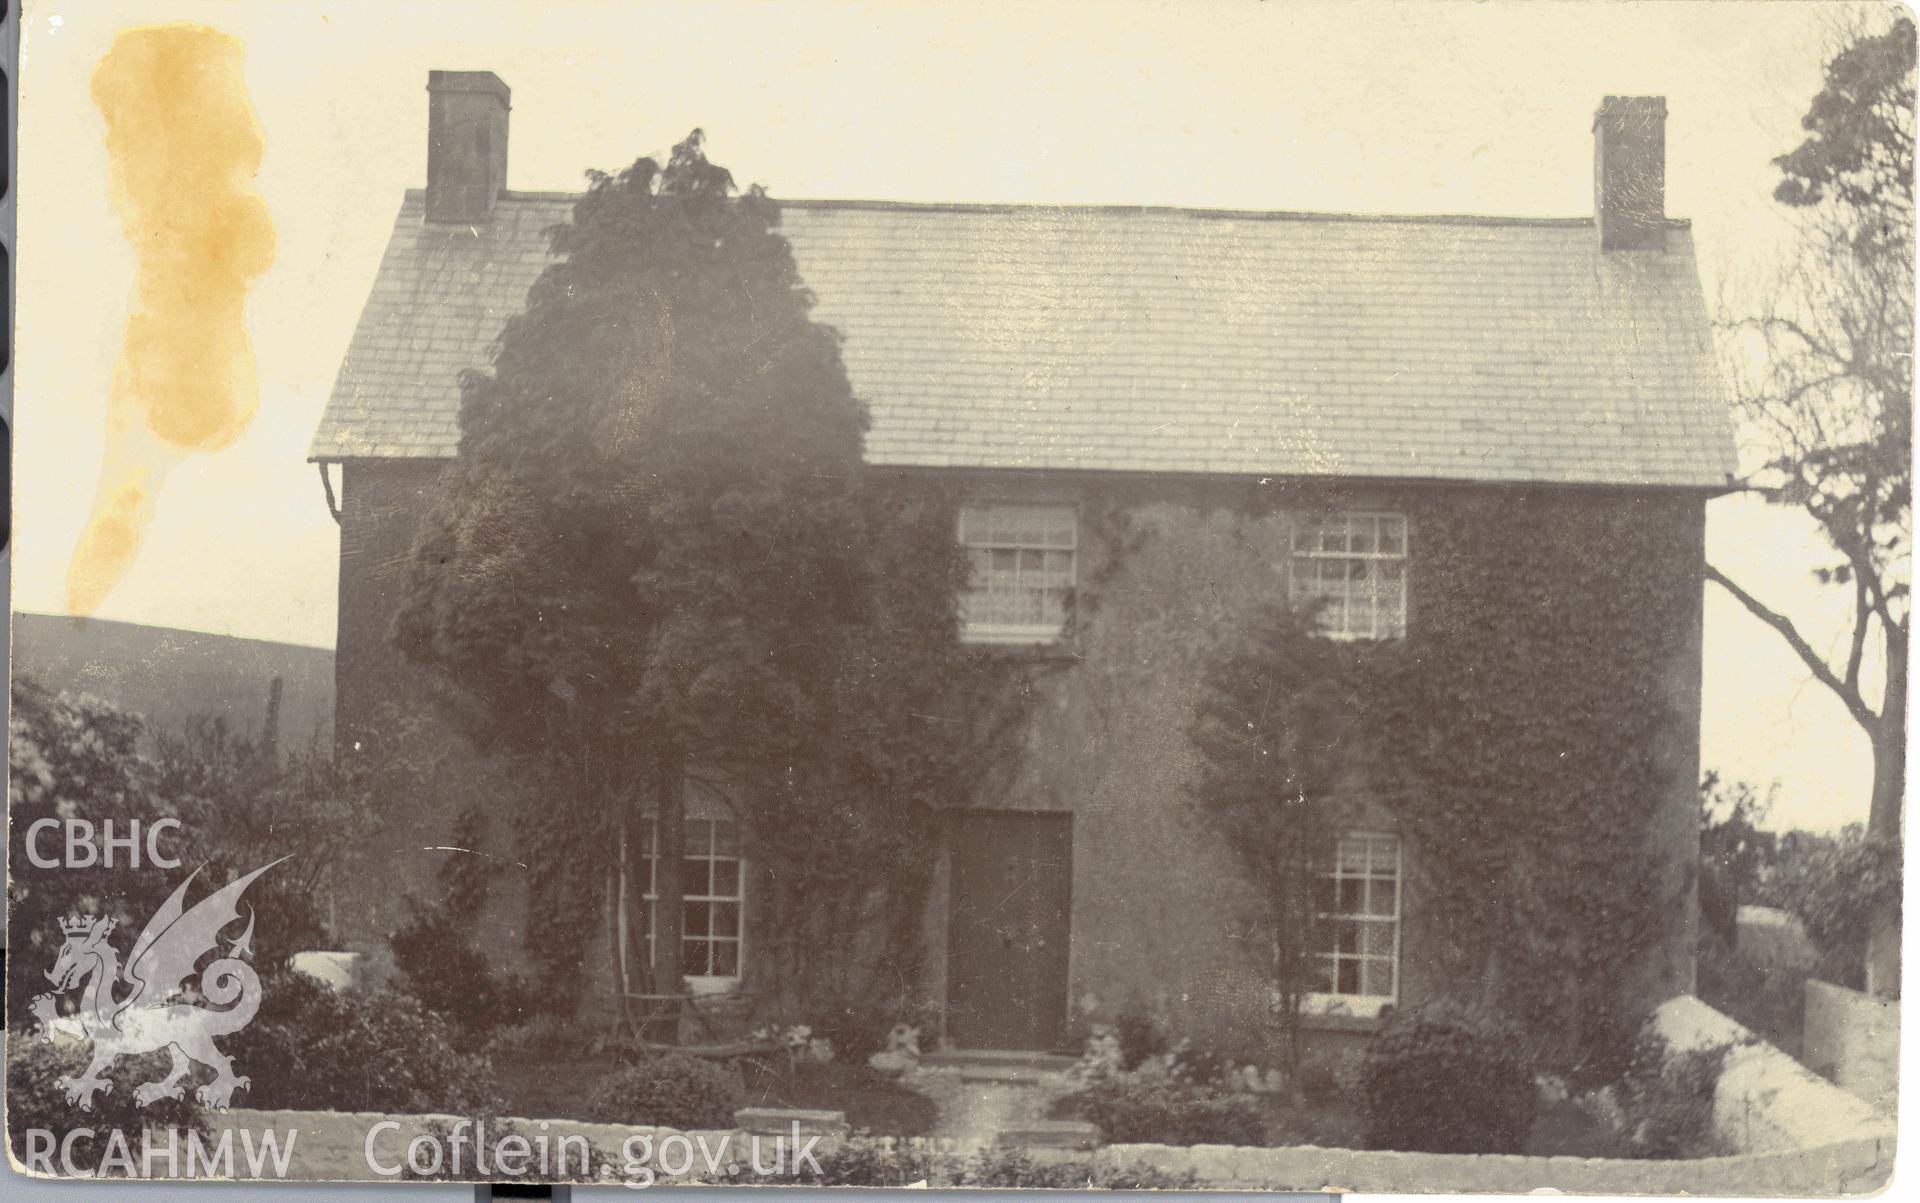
[[466, 144], [1630, 173]]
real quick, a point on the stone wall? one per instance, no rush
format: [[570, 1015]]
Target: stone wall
[[1766, 1101], [1854, 1039], [363, 1146], [1851, 1168]]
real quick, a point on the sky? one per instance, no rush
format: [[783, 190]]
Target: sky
[[1412, 107]]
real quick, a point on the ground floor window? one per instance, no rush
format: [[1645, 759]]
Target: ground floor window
[[712, 932], [1358, 904]]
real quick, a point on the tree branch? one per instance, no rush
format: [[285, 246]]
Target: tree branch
[[1855, 705]]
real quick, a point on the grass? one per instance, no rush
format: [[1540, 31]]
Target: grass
[[539, 1086]]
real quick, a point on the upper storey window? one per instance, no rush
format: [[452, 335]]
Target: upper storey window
[[1023, 565], [1357, 561]]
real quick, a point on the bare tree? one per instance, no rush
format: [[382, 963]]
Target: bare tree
[[1824, 377]]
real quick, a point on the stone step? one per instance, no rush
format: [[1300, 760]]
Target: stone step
[[1018, 1060]]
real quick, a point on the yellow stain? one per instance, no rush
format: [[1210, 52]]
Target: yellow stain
[[183, 145]]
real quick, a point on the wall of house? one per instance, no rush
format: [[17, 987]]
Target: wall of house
[[1160, 921], [385, 715]]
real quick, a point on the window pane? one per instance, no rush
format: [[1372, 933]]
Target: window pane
[[694, 878], [696, 957], [1349, 979], [696, 919], [1346, 939], [726, 958], [1352, 896], [726, 838], [1376, 939], [1376, 978], [1382, 895], [726, 878], [726, 918]]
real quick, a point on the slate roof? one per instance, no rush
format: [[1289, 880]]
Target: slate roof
[[1153, 340]]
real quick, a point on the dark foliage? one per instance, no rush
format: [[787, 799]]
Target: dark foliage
[[1156, 1109], [1666, 1098], [35, 1102], [1767, 999], [659, 554], [1859, 126], [1546, 641], [1836, 885], [885, 1162], [564, 1163], [1141, 1037], [312, 1048], [438, 963], [672, 1090], [1448, 1077], [1734, 853], [84, 759], [1276, 730]]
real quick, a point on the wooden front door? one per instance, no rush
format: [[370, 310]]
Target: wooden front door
[[1010, 898]]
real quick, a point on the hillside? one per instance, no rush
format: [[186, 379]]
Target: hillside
[[170, 675]]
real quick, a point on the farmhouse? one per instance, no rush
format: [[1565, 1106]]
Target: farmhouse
[[1162, 419]]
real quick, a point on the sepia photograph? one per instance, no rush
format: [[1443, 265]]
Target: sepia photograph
[[1088, 595]]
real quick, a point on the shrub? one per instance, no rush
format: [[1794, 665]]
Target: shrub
[[1201, 1066], [1447, 1077], [1318, 1083], [545, 1035], [1666, 1098], [868, 1161], [1766, 999], [563, 1162], [672, 1091], [35, 1103], [314, 1049], [1141, 1037], [1138, 1108]]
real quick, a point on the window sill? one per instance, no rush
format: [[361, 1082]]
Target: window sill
[[1016, 637], [1343, 1006], [710, 986]]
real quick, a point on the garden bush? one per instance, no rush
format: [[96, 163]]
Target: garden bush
[[1448, 1077], [313, 1048], [672, 1091], [34, 1102], [1318, 1083], [868, 1161], [1152, 1109], [542, 1035], [1666, 1098], [1141, 1037]]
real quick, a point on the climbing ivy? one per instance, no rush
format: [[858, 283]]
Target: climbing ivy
[[1527, 737], [1530, 738]]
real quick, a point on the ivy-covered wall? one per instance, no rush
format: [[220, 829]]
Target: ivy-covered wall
[[1538, 744]]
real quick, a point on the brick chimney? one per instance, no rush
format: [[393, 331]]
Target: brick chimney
[[466, 144], [1630, 173]]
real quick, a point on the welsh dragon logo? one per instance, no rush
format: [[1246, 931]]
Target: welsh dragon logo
[[154, 1015]]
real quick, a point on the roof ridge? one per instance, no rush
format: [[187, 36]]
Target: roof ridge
[[1200, 211]]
